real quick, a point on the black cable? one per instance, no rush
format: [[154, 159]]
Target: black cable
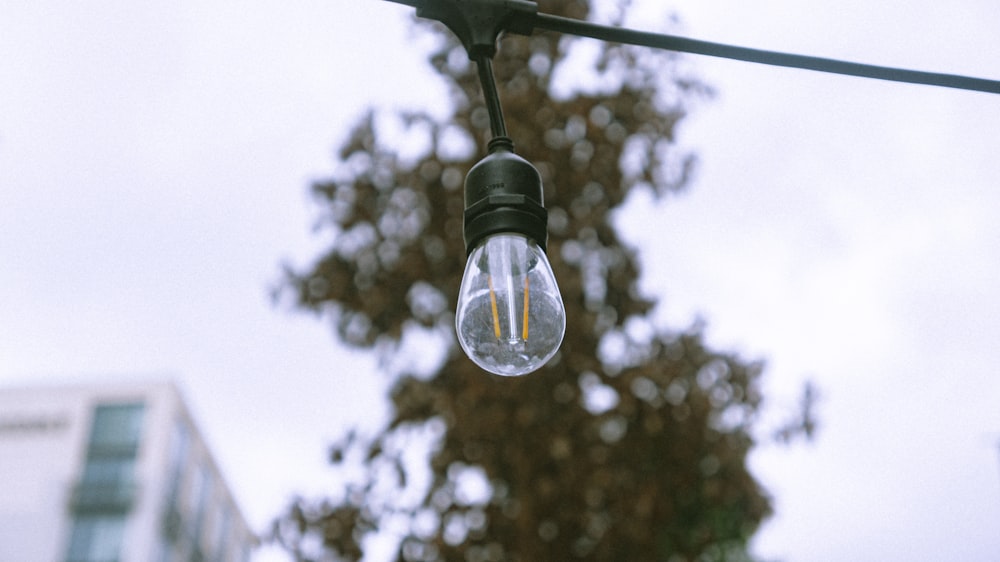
[[673, 43], [485, 66]]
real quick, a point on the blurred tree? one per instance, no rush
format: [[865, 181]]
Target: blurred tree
[[631, 443]]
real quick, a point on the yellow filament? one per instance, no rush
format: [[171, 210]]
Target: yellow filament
[[493, 304], [524, 332]]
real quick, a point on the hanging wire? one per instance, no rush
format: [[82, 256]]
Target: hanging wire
[[485, 66], [466, 16], [682, 44]]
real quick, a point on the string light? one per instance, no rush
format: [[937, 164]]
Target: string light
[[510, 317]]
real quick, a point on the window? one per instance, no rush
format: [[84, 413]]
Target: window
[[202, 497], [179, 445], [106, 488], [116, 426], [108, 481], [107, 471], [220, 542], [96, 538]]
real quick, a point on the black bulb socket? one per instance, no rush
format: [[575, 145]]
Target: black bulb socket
[[503, 194], [480, 23]]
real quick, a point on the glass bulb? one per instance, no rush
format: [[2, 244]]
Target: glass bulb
[[510, 317]]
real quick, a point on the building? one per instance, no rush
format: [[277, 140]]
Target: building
[[111, 473]]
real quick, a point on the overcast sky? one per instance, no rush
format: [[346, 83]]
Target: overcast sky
[[154, 165]]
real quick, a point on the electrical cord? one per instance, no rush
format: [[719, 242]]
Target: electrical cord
[[489, 85], [479, 23], [673, 43]]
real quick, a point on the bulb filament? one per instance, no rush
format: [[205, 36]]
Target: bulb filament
[[493, 305], [496, 312], [524, 332]]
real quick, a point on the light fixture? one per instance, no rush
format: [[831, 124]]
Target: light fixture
[[510, 318]]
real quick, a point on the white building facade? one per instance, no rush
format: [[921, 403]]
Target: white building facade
[[111, 473]]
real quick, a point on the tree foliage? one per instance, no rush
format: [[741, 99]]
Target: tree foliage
[[631, 443]]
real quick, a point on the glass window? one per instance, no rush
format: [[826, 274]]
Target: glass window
[[202, 499], [107, 482], [166, 552], [107, 471], [96, 538], [220, 540], [179, 444], [117, 425]]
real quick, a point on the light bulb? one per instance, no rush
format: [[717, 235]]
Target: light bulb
[[510, 318]]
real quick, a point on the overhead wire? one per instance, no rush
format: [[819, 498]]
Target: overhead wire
[[469, 14], [571, 26]]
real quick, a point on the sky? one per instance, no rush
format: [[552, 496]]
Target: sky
[[155, 160]]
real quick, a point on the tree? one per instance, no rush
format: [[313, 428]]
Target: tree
[[631, 443]]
